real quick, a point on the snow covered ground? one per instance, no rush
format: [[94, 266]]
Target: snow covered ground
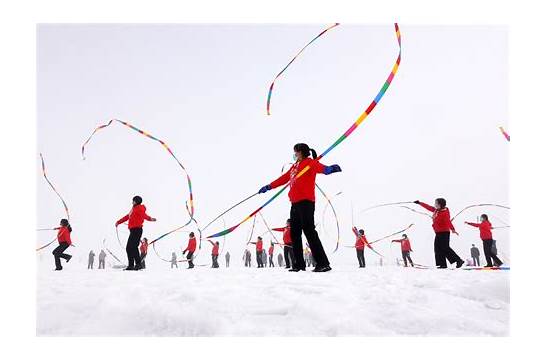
[[376, 301]]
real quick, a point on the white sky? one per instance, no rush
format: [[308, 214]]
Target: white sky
[[202, 89]]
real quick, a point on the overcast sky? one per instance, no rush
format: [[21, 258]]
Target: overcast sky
[[202, 89]]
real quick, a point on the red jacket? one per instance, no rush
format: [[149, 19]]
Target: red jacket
[[215, 248], [485, 229], [63, 235], [361, 242], [143, 247], [302, 188], [285, 234], [192, 244], [441, 220], [270, 250], [259, 245], [136, 217], [405, 244]]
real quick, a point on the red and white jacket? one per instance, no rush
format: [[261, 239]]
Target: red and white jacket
[[302, 188], [136, 217], [485, 229], [404, 244], [441, 220], [287, 240]]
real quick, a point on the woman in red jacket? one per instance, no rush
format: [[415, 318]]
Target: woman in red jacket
[[214, 253], [287, 248], [259, 249], [192, 245], [360, 243], [441, 223], [63, 236], [405, 245], [302, 211], [487, 239], [136, 218]]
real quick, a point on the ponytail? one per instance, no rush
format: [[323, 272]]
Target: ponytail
[[313, 153]]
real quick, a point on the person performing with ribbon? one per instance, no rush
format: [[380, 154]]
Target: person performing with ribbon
[[360, 243], [136, 218], [405, 246], [486, 235], [287, 247], [214, 253], [63, 236], [259, 249], [192, 245], [441, 223], [302, 211]]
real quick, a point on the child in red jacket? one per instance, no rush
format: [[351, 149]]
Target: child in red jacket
[[192, 245], [405, 245], [441, 223], [302, 212], [136, 218], [63, 236], [487, 238]]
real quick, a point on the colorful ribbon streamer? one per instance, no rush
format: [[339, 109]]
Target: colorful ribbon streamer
[[384, 205], [291, 61], [146, 134], [415, 211], [506, 135], [58, 195], [391, 235], [344, 136], [479, 205]]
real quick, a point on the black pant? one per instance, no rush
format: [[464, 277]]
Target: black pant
[[259, 259], [133, 254], [288, 256], [442, 250], [271, 264], [476, 260], [215, 261], [360, 257], [406, 257], [227, 262], [489, 254], [189, 257], [101, 264], [90, 264], [58, 254], [302, 218]]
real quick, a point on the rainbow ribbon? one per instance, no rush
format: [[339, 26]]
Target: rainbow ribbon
[[506, 135], [60, 197], [344, 136], [291, 61], [192, 209]]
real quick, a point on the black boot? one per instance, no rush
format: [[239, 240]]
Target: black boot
[[322, 269]]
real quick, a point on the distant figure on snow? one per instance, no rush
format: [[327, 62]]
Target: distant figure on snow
[[475, 254], [405, 246], [192, 245], [174, 261], [360, 244], [91, 260], [227, 259], [63, 236], [136, 218], [143, 252], [288, 250], [259, 248], [280, 260], [248, 258], [214, 253], [264, 258], [271, 251], [102, 258]]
